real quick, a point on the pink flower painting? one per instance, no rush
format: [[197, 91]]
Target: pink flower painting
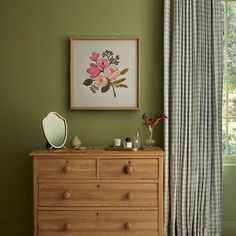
[[104, 73], [93, 71], [101, 81], [103, 63], [94, 56], [112, 72]]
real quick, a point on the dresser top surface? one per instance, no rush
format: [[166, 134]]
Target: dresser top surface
[[97, 152]]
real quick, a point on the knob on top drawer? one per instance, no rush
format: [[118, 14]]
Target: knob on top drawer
[[66, 169], [129, 169]]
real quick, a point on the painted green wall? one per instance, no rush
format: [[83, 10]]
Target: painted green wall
[[34, 74], [229, 196]]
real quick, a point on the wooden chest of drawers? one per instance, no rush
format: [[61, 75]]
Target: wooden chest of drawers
[[98, 193]]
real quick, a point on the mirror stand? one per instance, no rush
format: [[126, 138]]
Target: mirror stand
[[49, 147]]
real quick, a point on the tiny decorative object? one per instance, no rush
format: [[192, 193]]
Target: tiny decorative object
[[137, 141], [150, 123], [104, 73], [75, 142], [85, 148], [117, 142], [128, 143]]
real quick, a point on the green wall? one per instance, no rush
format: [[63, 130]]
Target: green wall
[[229, 196], [34, 73]]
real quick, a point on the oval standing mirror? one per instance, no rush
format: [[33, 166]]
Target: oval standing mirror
[[55, 130]]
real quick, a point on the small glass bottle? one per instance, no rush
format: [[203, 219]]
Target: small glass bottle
[[137, 141], [128, 143]]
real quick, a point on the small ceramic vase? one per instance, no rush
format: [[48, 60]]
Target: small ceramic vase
[[75, 142]]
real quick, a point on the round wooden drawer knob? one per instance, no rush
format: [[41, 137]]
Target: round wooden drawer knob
[[67, 227], [66, 195], [66, 169], [129, 169], [128, 225], [130, 196]]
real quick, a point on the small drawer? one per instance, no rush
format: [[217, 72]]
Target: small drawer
[[66, 169], [129, 169], [98, 223], [102, 194]]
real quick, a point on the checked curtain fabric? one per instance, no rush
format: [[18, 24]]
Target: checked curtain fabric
[[193, 74]]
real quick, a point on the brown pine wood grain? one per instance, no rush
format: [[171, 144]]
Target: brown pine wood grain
[[98, 192], [98, 223]]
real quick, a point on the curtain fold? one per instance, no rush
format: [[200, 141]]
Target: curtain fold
[[193, 77]]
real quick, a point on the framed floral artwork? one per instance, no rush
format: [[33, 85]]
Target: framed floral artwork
[[104, 73]]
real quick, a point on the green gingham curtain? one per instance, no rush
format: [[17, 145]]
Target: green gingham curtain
[[193, 74]]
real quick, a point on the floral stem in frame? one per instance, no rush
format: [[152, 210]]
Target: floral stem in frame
[[114, 92]]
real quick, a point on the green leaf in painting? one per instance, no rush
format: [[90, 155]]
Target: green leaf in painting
[[106, 88], [88, 82]]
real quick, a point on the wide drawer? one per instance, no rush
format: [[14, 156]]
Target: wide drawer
[[66, 169], [129, 169], [103, 194], [97, 223]]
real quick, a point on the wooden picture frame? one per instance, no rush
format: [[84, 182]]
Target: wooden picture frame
[[104, 73]]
